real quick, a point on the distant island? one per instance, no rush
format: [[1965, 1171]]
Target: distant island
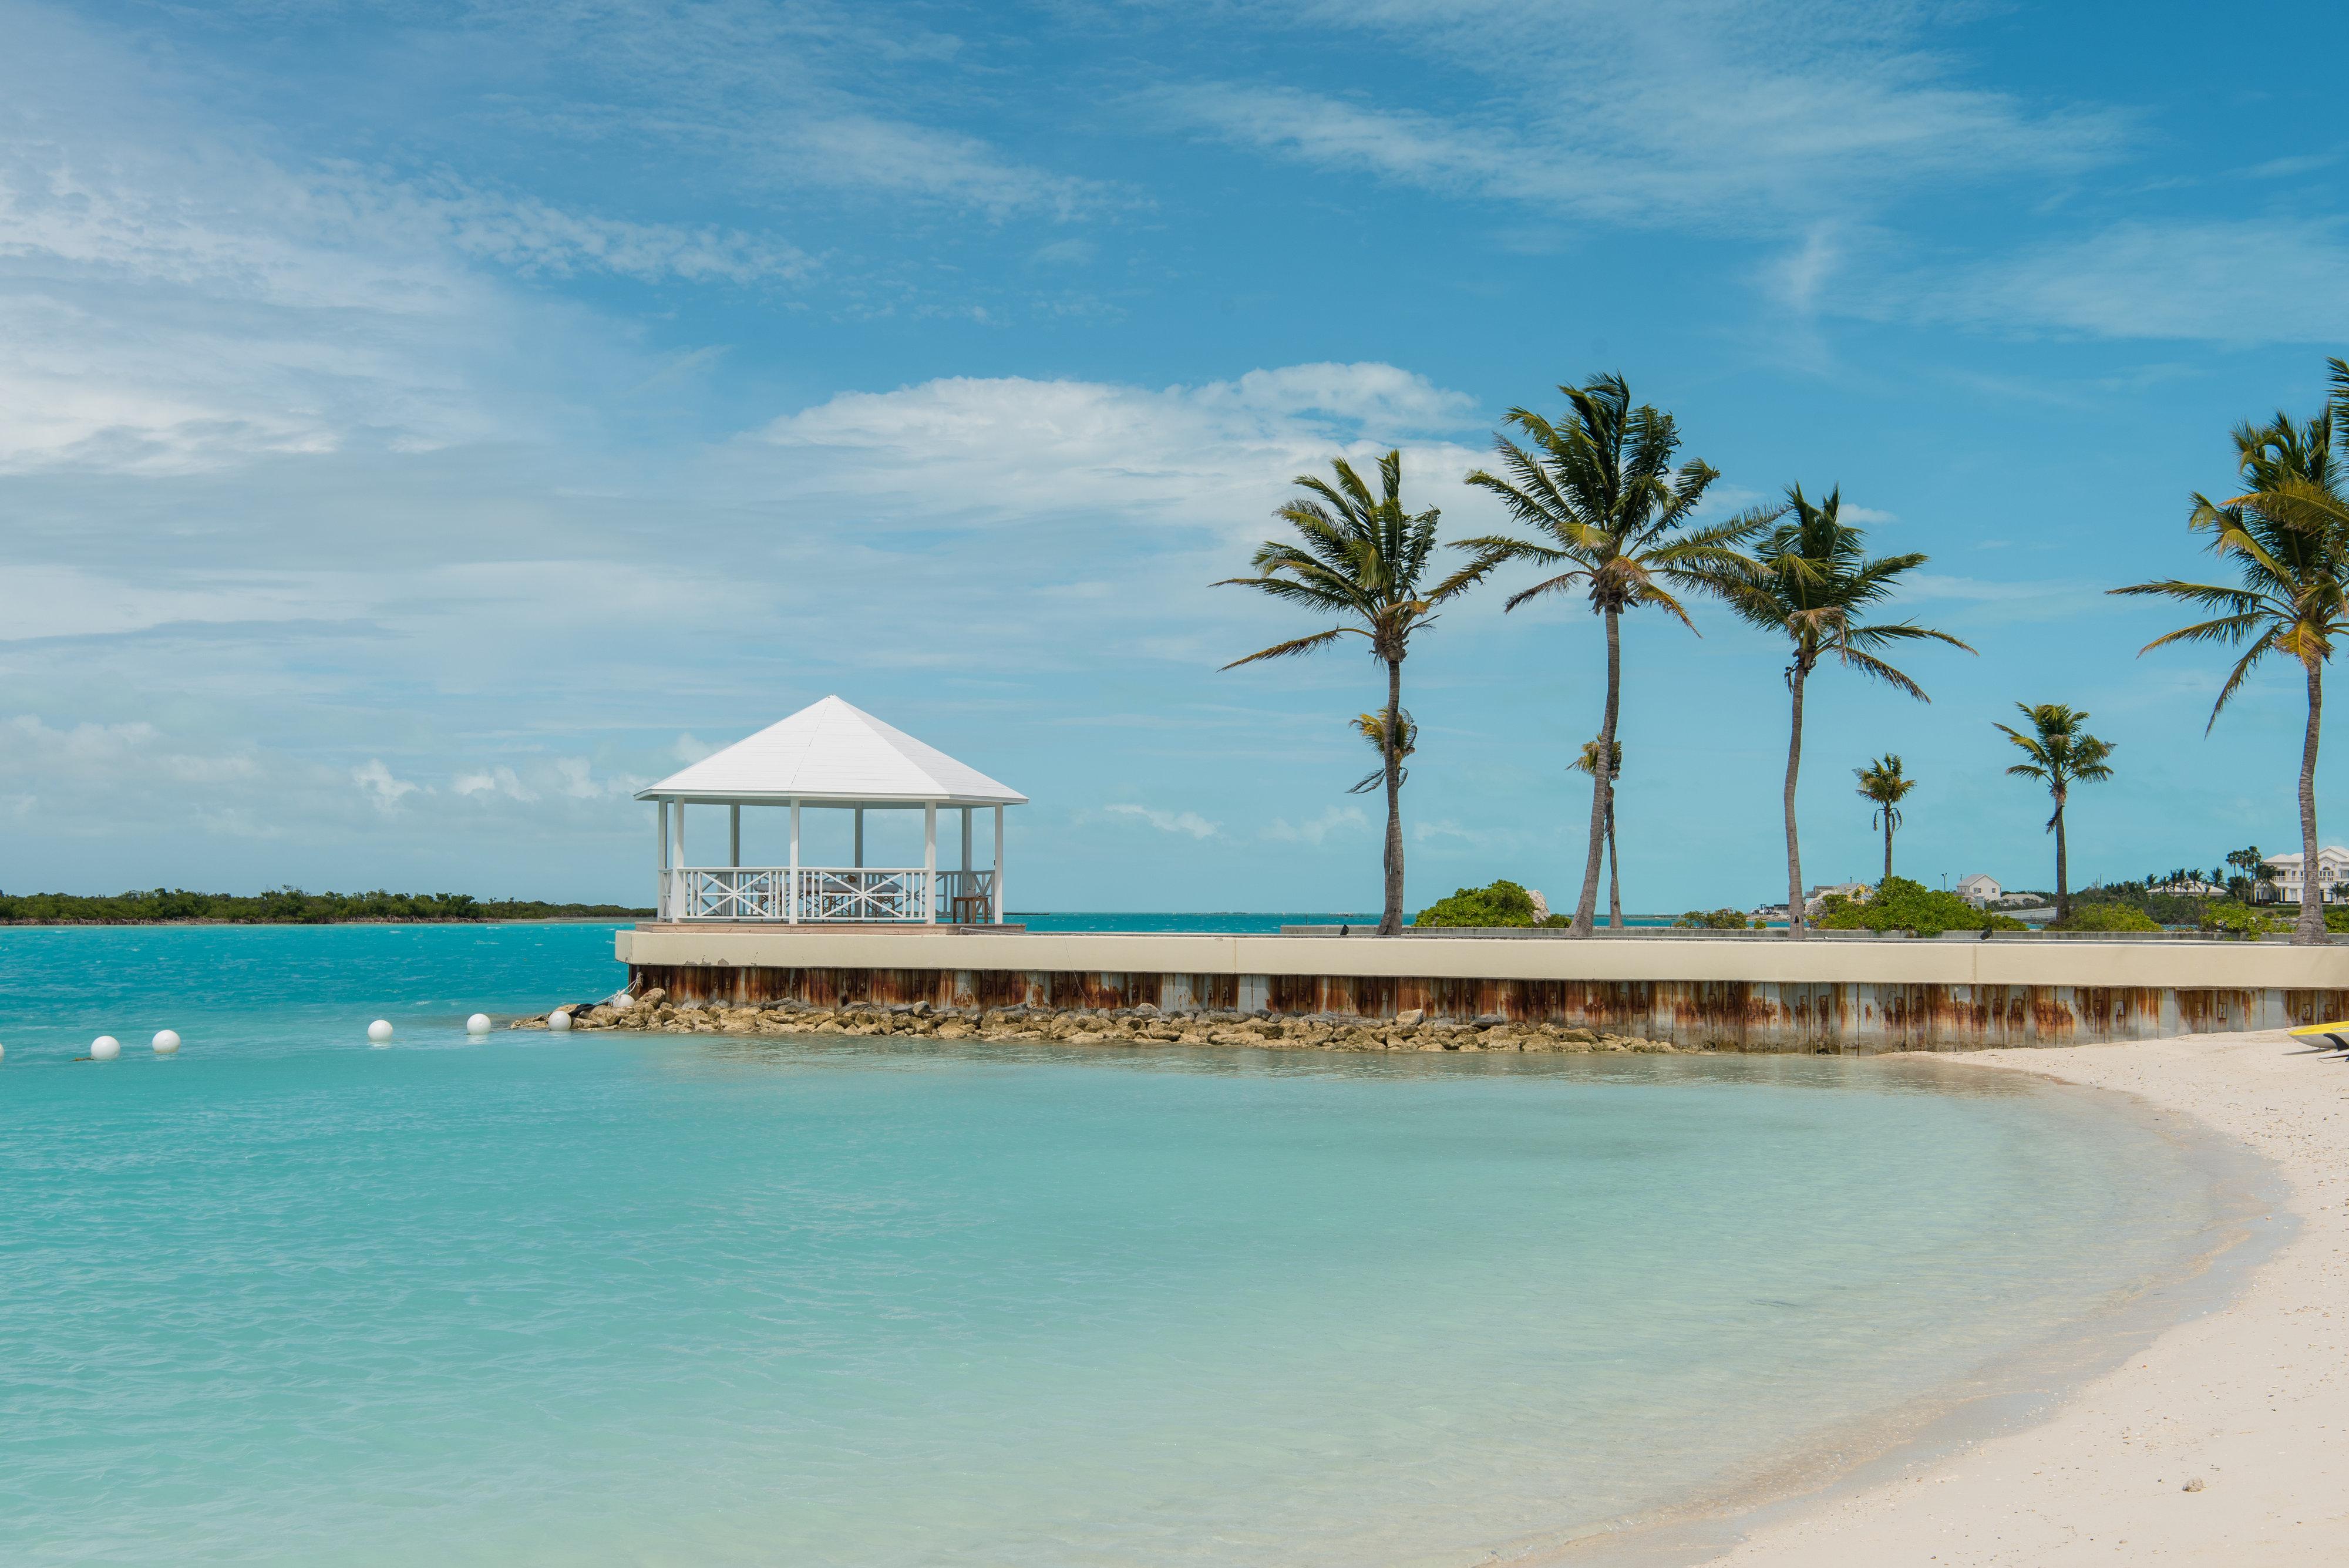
[[285, 907]]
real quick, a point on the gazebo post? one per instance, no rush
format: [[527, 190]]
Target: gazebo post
[[660, 887], [930, 862], [963, 889], [999, 865], [791, 885], [734, 836], [859, 861]]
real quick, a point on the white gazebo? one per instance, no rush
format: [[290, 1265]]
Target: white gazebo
[[829, 756]]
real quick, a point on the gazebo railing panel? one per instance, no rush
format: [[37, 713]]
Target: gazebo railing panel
[[861, 893], [966, 896], [835, 894]]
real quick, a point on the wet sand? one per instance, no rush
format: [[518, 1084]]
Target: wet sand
[[2224, 1441]]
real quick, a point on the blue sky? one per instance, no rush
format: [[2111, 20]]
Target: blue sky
[[421, 425]]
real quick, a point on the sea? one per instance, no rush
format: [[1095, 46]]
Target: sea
[[289, 1297]]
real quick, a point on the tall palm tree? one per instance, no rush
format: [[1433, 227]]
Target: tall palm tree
[[1883, 782], [2287, 539], [1811, 583], [1587, 763], [1598, 488], [2062, 754], [1364, 556]]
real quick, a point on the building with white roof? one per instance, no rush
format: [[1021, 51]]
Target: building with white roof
[[830, 755], [2332, 873], [1979, 890]]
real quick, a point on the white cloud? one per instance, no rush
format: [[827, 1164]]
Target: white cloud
[[2252, 280], [496, 780], [1335, 819], [1708, 113], [375, 781], [1869, 515], [1187, 822], [1009, 449], [689, 749]]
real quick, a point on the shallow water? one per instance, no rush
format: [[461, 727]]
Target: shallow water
[[610, 1299]]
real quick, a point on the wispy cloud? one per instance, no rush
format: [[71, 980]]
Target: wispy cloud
[[2268, 280], [1706, 113], [1183, 822], [1335, 819]]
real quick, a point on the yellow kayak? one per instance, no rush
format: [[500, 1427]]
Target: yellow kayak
[[2338, 1034]]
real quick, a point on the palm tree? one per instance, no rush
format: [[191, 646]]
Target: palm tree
[[2062, 754], [1363, 556], [2287, 539], [1810, 584], [1373, 727], [1587, 763], [1599, 488], [1883, 782]]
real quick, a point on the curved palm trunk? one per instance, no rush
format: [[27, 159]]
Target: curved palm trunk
[[1602, 781], [2063, 869], [2312, 881], [1614, 871], [1793, 846], [1391, 917]]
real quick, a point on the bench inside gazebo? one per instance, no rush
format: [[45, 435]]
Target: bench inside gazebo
[[834, 757]]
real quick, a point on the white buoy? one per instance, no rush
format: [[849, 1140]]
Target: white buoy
[[558, 1022], [105, 1048], [379, 1031], [478, 1024], [3, 1052], [167, 1041]]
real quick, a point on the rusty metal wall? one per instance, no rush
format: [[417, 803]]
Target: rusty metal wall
[[1741, 1015]]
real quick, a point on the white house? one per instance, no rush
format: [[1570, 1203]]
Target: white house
[[1979, 890], [2191, 887], [2332, 873]]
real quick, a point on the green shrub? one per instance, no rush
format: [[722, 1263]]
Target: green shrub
[[1502, 904], [2105, 917], [2336, 918], [1712, 920], [1901, 905], [2240, 920]]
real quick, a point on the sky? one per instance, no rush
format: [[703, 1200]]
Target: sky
[[423, 425]]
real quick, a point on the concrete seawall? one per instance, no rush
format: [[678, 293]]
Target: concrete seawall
[[1728, 994]]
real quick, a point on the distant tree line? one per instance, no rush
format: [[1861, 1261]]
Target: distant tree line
[[285, 906]]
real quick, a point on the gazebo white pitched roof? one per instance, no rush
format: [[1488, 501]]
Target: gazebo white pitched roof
[[835, 754]]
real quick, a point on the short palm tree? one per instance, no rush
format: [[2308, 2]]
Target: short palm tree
[[1364, 556], [1587, 763], [2062, 754], [1598, 489], [2286, 538], [1883, 782], [1811, 583], [1373, 728]]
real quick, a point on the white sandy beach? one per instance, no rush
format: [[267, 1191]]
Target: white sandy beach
[[2252, 1400]]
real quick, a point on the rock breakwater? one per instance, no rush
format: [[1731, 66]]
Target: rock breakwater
[[1144, 1025]]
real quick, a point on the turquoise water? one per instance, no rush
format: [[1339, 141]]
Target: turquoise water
[[610, 1299]]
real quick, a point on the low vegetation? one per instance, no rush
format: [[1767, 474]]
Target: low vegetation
[[285, 906], [1902, 905], [2105, 917], [1715, 921], [1502, 904]]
